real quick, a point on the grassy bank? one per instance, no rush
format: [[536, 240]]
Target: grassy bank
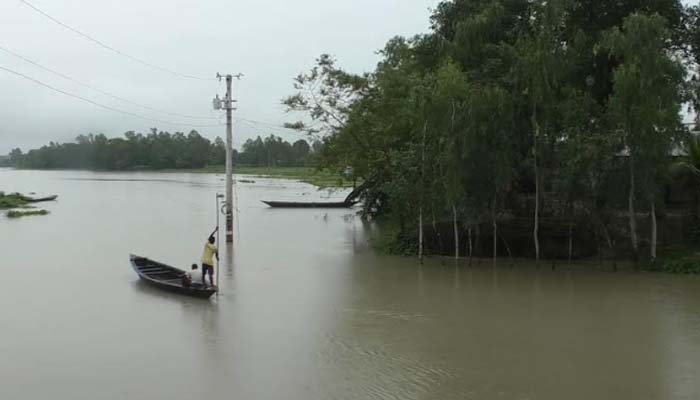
[[313, 176], [320, 178]]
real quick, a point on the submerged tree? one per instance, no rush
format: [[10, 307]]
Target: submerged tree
[[453, 124], [488, 155], [542, 69], [644, 107]]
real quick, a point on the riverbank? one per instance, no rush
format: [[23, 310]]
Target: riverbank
[[678, 261], [677, 253], [310, 175]]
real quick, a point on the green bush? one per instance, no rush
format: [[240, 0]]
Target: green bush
[[692, 231], [684, 263], [395, 243]]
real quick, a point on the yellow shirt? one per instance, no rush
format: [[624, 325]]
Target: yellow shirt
[[208, 256]]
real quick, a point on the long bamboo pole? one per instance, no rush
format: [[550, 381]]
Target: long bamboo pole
[[218, 264]]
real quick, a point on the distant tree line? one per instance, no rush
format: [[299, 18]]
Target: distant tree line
[[160, 150], [557, 109], [275, 152]]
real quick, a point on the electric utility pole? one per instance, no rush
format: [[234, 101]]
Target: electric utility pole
[[228, 106]]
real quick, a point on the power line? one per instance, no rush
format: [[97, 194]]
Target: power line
[[260, 127], [98, 90], [46, 85], [267, 124], [252, 124], [278, 128], [272, 125], [283, 129], [108, 47]]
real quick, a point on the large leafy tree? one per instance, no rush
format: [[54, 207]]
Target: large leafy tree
[[500, 97]]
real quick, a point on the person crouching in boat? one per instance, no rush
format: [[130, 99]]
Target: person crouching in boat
[[210, 251], [193, 276]]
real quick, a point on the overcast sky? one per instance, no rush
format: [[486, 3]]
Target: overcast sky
[[270, 41]]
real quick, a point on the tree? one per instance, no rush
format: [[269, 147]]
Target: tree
[[218, 152], [502, 102], [324, 95], [542, 68], [687, 169], [449, 95], [585, 161], [488, 155], [15, 156], [301, 152], [645, 107]]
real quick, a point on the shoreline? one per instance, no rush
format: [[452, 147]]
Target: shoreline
[[319, 178]]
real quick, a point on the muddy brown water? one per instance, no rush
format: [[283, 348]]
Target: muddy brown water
[[308, 310]]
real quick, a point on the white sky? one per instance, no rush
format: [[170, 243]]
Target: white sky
[[270, 41]]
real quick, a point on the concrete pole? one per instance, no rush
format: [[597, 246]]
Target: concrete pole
[[229, 160]]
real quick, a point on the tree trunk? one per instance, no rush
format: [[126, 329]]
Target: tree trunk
[[571, 242], [535, 151], [441, 245], [495, 234], [599, 248], [654, 232], [611, 245], [510, 253], [572, 214], [422, 195], [456, 229], [631, 210], [420, 234], [471, 249], [477, 241], [433, 223]]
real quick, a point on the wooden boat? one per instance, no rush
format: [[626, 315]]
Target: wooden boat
[[39, 199], [167, 278], [291, 204]]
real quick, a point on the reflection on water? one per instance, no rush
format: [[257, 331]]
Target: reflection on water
[[307, 310]]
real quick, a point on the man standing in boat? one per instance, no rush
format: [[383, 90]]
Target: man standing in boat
[[210, 251]]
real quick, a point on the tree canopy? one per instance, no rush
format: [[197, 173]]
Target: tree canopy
[[511, 108]]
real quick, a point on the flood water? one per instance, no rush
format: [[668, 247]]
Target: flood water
[[307, 310]]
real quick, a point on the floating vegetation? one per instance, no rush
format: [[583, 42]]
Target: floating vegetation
[[13, 200], [20, 214]]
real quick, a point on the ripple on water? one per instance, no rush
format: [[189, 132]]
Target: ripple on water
[[375, 371]]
